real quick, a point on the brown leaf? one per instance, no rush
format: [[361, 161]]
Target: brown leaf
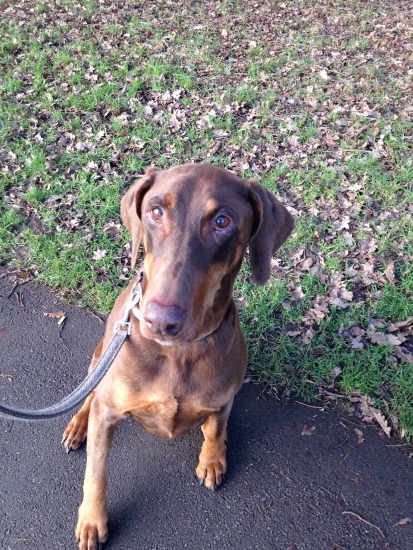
[[359, 434], [306, 264], [381, 420], [346, 294], [407, 322], [392, 340], [401, 354], [356, 343], [381, 338], [298, 293], [309, 335], [308, 430], [55, 314], [403, 521], [370, 413], [338, 302], [389, 273], [356, 331], [335, 372]]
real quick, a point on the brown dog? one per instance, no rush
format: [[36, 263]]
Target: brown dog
[[186, 356]]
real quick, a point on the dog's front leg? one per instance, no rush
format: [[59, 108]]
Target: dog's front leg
[[91, 530], [213, 458]]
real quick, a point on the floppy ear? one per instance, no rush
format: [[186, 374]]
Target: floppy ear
[[272, 226], [130, 210]]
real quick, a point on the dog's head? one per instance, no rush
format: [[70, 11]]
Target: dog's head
[[195, 222]]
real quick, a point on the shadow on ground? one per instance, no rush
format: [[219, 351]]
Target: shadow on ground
[[283, 491]]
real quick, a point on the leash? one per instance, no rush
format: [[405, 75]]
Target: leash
[[122, 331]]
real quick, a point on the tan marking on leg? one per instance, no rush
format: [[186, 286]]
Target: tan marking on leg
[[75, 432], [91, 528], [212, 460]]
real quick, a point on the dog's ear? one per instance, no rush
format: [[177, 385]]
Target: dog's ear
[[272, 226], [130, 210]]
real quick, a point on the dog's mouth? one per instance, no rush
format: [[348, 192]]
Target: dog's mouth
[[178, 342]]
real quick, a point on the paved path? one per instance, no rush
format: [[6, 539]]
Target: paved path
[[284, 490]]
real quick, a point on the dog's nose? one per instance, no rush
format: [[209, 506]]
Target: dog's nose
[[164, 320]]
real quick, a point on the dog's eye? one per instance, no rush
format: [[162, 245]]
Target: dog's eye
[[222, 221], [157, 213]]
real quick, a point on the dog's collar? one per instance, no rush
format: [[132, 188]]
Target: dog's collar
[[133, 305]]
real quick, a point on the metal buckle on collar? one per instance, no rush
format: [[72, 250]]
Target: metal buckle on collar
[[126, 324], [132, 303]]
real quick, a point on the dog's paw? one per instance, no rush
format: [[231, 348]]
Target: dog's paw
[[91, 529], [75, 432], [211, 472]]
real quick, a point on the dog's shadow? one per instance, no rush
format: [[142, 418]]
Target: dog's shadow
[[152, 482]]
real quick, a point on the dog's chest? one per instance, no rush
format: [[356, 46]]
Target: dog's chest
[[165, 415], [170, 405]]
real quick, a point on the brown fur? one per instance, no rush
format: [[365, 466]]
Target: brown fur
[[189, 270]]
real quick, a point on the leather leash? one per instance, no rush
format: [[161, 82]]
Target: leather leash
[[122, 331]]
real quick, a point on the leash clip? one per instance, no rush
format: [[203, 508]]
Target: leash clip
[[133, 303], [126, 324]]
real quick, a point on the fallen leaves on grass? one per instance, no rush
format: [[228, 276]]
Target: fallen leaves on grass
[[399, 335], [403, 354], [274, 101]]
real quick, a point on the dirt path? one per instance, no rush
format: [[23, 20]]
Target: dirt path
[[284, 490]]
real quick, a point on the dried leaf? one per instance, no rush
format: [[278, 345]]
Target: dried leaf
[[298, 293], [370, 413], [308, 430], [359, 433], [293, 332], [335, 372], [308, 336], [402, 354], [392, 340], [381, 338], [99, 254], [356, 344], [346, 294], [338, 302], [55, 314], [389, 273], [401, 324], [381, 420], [306, 264], [403, 521]]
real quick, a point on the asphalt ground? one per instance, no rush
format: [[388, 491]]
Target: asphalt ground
[[284, 490]]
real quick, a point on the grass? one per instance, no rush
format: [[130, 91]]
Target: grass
[[314, 104]]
